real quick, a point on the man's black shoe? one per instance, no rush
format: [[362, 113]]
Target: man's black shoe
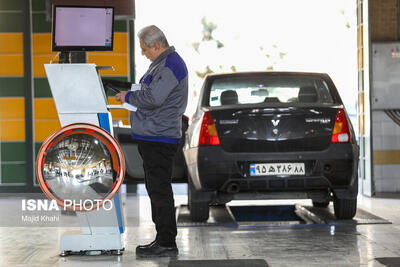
[[156, 250], [147, 245]]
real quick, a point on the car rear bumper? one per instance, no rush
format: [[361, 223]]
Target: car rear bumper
[[213, 169]]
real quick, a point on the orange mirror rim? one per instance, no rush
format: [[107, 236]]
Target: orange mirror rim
[[90, 128]]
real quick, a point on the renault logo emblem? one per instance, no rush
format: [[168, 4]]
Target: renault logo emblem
[[275, 131], [275, 122]]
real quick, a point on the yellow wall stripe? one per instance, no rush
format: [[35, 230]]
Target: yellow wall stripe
[[11, 55], [42, 43], [11, 65], [120, 42], [117, 114], [118, 61], [44, 128], [12, 130], [11, 43], [38, 64], [12, 108], [384, 157], [45, 109], [12, 118]]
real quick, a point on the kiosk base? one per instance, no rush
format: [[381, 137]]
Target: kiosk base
[[76, 241]]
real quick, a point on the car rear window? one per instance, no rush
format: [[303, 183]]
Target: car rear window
[[236, 90]]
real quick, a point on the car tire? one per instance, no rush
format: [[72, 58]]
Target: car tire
[[323, 204], [345, 209], [198, 210]]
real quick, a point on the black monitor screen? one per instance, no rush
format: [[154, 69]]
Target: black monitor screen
[[82, 28]]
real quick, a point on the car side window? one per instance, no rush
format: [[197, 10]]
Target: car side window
[[324, 94]]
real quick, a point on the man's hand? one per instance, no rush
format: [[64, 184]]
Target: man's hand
[[121, 96]]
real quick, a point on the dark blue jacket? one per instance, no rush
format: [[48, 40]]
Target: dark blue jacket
[[161, 101]]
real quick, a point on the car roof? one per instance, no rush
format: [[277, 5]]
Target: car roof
[[215, 75]]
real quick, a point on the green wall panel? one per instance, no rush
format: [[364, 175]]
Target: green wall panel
[[11, 22], [119, 78], [42, 87], [37, 147], [12, 86], [13, 173], [10, 5], [40, 24], [39, 5], [120, 26], [13, 151]]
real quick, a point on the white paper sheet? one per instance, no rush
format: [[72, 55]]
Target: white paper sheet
[[130, 107]]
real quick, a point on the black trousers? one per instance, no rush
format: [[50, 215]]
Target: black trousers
[[157, 163]]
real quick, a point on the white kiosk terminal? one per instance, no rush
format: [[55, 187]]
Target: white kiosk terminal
[[80, 98]]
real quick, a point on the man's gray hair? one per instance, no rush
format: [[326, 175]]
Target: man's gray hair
[[151, 35]]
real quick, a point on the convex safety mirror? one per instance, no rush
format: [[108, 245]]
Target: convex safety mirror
[[80, 166]]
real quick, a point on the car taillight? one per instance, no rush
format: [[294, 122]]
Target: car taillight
[[341, 130], [208, 131]]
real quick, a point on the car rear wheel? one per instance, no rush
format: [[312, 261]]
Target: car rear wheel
[[345, 208], [322, 204], [199, 209]]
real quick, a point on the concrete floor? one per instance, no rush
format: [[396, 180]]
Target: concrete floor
[[308, 245]]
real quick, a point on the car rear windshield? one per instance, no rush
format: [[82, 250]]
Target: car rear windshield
[[236, 90]]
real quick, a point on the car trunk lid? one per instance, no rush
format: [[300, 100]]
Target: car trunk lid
[[275, 129]]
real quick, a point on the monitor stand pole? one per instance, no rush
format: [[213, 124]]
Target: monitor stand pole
[[65, 58]]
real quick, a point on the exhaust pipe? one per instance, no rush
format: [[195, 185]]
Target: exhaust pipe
[[233, 188]]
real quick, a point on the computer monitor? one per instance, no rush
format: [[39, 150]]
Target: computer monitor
[[82, 28]]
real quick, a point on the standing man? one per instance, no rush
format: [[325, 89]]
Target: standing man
[[156, 125]]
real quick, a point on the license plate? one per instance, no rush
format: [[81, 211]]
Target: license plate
[[277, 169]]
